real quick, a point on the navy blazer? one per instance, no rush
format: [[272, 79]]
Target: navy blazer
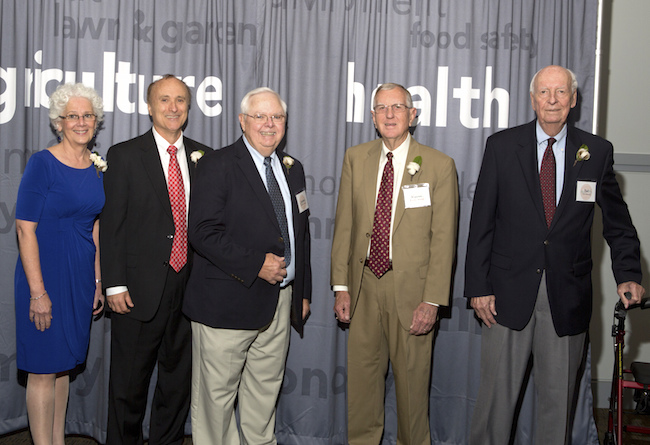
[[136, 225], [509, 244], [232, 226]]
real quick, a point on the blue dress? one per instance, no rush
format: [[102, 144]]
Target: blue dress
[[65, 202]]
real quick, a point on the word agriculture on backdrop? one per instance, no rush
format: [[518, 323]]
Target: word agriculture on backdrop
[[117, 87]]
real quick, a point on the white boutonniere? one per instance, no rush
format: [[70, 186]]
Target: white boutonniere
[[100, 164], [288, 161], [414, 166], [196, 155], [582, 154]]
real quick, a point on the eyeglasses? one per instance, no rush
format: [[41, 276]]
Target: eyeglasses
[[75, 117], [263, 118], [396, 108]]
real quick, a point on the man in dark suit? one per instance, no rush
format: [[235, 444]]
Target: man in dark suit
[[249, 226], [528, 267], [145, 266]]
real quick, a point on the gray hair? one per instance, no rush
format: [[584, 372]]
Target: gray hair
[[391, 86], [246, 101], [574, 81], [64, 92]]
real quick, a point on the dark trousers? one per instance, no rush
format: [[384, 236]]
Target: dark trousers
[[136, 347]]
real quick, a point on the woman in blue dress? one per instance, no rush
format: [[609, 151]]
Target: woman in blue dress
[[57, 281]]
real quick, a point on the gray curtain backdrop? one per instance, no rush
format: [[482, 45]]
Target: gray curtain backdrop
[[467, 63]]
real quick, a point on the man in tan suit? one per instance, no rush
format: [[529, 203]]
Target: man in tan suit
[[392, 254]]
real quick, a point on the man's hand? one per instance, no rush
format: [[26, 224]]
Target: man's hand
[[120, 303], [274, 269], [342, 306], [485, 308], [635, 290], [305, 308], [424, 317]]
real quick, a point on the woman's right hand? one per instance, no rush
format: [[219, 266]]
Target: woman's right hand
[[40, 312]]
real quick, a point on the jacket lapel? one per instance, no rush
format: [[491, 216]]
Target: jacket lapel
[[370, 167], [570, 172], [189, 148], [527, 154], [154, 169], [400, 208], [252, 175]]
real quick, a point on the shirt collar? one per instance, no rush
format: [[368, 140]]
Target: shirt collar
[[543, 137], [399, 152], [163, 144], [257, 156]]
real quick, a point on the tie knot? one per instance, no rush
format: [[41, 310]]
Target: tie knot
[[551, 141], [171, 150], [267, 161], [389, 155]]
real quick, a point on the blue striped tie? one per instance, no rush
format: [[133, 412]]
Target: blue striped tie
[[278, 207]]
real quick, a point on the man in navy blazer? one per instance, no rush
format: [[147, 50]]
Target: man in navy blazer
[[143, 289], [528, 267], [251, 276]]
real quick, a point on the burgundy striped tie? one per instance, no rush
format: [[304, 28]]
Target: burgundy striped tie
[[379, 258], [547, 182]]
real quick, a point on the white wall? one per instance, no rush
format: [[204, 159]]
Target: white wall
[[625, 121]]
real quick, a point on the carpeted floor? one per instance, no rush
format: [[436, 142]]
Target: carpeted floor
[[23, 437], [628, 438]]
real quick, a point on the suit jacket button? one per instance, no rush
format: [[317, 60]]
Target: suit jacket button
[[368, 235], [170, 236], [165, 263], [539, 271], [546, 242]]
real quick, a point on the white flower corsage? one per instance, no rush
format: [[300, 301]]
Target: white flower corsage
[[196, 155], [100, 164], [582, 154], [414, 166], [288, 162]]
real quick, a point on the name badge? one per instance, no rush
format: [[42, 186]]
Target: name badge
[[416, 195], [301, 200], [586, 191]]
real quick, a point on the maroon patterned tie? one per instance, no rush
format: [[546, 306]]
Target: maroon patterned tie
[[178, 257], [547, 182], [379, 259]]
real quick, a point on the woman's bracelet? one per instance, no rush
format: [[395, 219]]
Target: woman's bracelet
[[98, 280], [40, 296]]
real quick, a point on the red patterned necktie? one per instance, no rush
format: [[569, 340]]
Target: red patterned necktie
[[379, 259], [178, 257], [547, 182]]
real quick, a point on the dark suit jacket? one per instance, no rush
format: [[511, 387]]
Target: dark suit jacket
[[136, 225], [232, 226], [510, 246]]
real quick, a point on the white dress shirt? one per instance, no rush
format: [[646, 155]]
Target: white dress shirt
[[277, 167]]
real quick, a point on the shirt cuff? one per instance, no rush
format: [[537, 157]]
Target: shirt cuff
[[339, 288], [116, 290]]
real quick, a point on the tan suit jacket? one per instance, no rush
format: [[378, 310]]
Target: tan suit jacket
[[423, 239]]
